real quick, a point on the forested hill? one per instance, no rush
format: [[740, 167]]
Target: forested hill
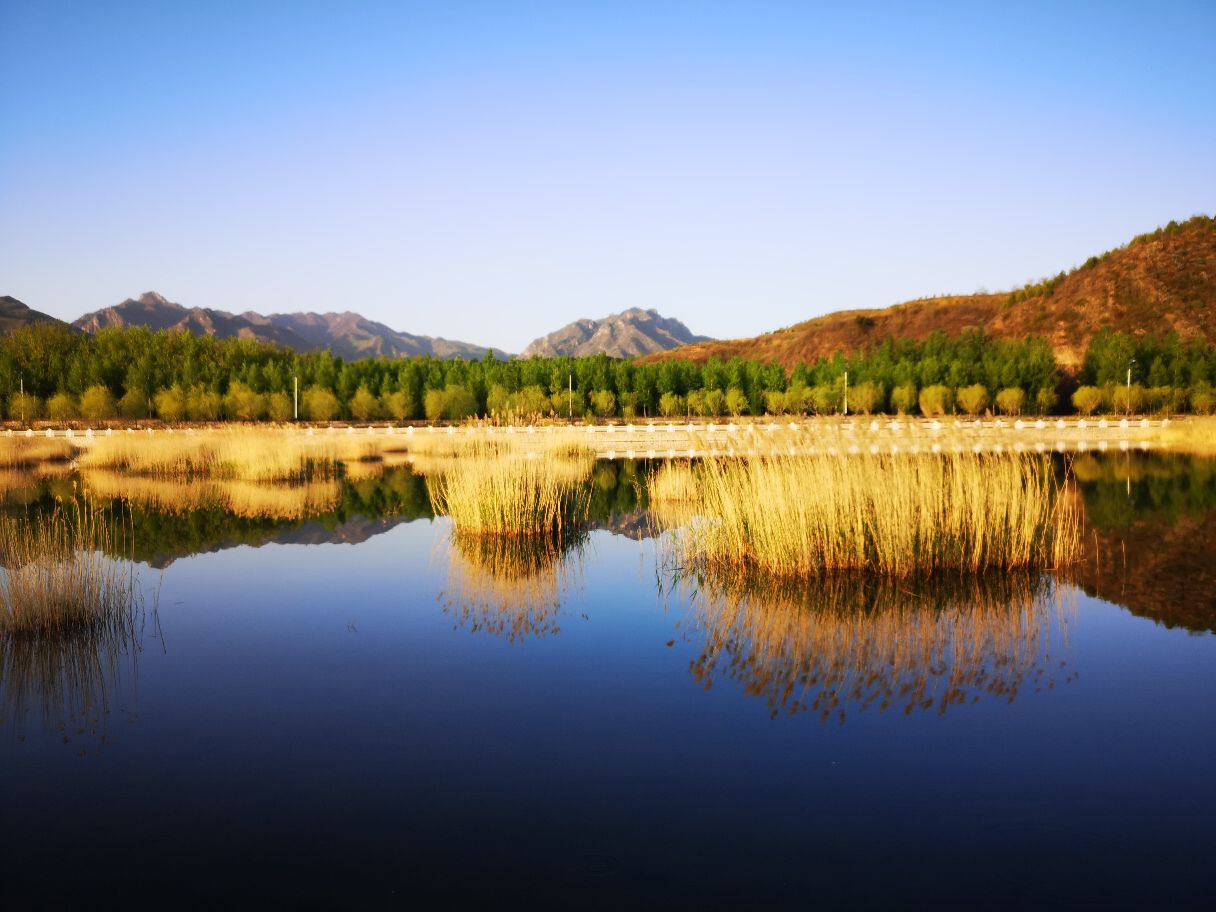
[[1158, 283]]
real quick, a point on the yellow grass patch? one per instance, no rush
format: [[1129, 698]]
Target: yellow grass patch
[[492, 492], [894, 515]]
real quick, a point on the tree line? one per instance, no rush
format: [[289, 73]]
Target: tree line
[[47, 371]]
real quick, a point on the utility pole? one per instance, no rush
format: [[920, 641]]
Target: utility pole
[[23, 401], [846, 392], [1129, 385], [295, 398], [570, 394]]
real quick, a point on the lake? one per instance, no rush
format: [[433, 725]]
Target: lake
[[333, 702]]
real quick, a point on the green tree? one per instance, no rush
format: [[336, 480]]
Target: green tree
[[1087, 399], [133, 404], [736, 402], [279, 407], [24, 406], [364, 405], [170, 404], [1010, 400], [935, 400], [61, 407], [973, 399], [320, 404], [904, 398], [97, 403]]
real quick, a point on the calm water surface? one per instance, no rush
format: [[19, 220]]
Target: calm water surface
[[349, 708]]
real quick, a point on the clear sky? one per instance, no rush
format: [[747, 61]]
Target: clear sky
[[491, 171]]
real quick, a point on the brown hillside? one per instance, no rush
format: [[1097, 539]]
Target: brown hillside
[[1158, 282]]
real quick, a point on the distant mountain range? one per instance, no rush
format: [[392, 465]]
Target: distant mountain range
[[624, 335], [349, 335], [352, 336], [1160, 282]]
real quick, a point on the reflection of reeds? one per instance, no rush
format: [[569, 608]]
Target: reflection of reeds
[[254, 454], [491, 492], [863, 641], [797, 516], [68, 614], [247, 499], [510, 587], [26, 452]]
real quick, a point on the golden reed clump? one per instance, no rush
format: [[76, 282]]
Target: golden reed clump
[[70, 617], [797, 516], [492, 491]]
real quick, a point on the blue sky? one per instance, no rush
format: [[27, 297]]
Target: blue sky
[[489, 172]]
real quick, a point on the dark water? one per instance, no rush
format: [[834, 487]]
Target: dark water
[[347, 709]]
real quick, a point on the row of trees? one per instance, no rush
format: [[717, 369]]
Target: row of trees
[[47, 371]]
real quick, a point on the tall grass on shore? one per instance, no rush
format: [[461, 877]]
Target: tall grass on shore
[[69, 615], [29, 452], [252, 454], [900, 516], [493, 492], [852, 642], [510, 587]]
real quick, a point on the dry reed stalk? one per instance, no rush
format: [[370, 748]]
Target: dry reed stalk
[[254, 454], [509, 587], [870, 641], [68, 614], [28, 452], [898, 516], [1194, 435], [489, 492]]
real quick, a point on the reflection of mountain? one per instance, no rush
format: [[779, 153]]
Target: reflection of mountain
[[1150, 545], [847, 644], [1157, 569]]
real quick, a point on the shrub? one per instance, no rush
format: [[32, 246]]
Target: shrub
[[904, 398], [364, 405], [133, 404], [935, 400], [1203, 399], [170, 404], [603, 403], [24, 406], [531, 403], [973, 399], [671, 405], [60, 407], [320, 404], [279, 407], [1010, 400], [715, 403], [736, 402], [203, 404], [1086, 399], [242, 403], [867, 397], [397, 405], [97, 403], [1045, 400]]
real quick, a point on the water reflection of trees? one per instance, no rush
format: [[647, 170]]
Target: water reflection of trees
[[511, 587], [846, 644]]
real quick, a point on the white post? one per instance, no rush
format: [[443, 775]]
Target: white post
[[846, 392]]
